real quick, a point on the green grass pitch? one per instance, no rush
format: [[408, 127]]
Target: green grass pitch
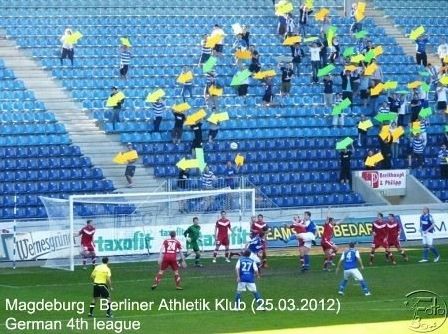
[[389, 285]]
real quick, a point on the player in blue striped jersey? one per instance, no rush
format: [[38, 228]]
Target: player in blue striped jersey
[[427, 231], [246, 270], [351, 258]]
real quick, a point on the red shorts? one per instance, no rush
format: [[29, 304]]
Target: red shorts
[[88, 248], [394, 243], [327, 245], [379, 243], [224, 241], [169, 263]]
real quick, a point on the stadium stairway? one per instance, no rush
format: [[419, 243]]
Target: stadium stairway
[[83, 131], [382, 19]]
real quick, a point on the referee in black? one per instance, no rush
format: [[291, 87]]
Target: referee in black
[[102, 284]]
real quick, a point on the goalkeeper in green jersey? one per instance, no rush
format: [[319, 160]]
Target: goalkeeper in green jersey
[[192, 234]]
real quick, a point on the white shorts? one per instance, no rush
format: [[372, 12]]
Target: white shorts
[[355, 273], [254, 257], [427, 238], [244, 286], [307, 237]]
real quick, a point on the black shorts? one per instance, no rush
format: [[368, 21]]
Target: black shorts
[[124, 70], [204, 58], [130, 171], [242, 90], [100, 291], [441, 105], [176, 133], [67, 53], [212, 133], [218, 48], [364, 94]]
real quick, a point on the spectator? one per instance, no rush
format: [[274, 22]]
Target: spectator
[[338, 120], [384, 108], [443, 162], [238, 44], [418, 148], [125, 59], [403, 97], [416, 105], [445, 137], [282, 26], [116, 109], [158, 110], [423, 97], [385, 148], [210, 100], [243, 87], [356, 75], [213, 132], [328, 91], [345, 173], [68, 50], [347, 84], [287, 74], [364, 89], [433, 75], [268, 92], [442, 50], [187, 86], [245, 34], [377, 76], [369, 154], [315, 61], [420, 45], [182, 185], [297, 55], [230, 175], [424, 123], [441, 98], [207, 179], [334, 51], [255, 65], [326, 24], [362, 134], [355, 26], [394, 103], [205, 51], [197, 140], [130, 167], [323, 57], [395, 142], [304, 12], [219, 47], [290, 25], [176, 133]]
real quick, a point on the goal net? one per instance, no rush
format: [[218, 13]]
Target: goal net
[[132, 227]]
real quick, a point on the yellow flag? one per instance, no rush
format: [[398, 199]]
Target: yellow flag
[[322, 14], [397, 133], [309, 4], [416, 33], [284, 7], [119, 159], [182, 107], [371, 69], [196, 117], [264, 74], [130, 155], [185, 77], [365, 125], [444, 80], [215, 118], [390, 85], [377, 158], [414, 84], [292, 40], [360, 11], [154, 96], [377, 89], [378, 51], [350, 68], [384, 133], [215, 91], [125, 41], [113, 100], [73, 38], [357, 58], [239, 160], [243, 54], [416, 125], [213, 40]]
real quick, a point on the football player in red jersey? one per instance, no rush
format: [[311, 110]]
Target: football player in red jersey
[[393, 235], [87, 243], [259, 227], [168, 258], [222, 229], [379, 233], [299, 228], [328, 246]]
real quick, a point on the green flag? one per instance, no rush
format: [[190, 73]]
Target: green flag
[[240, 77], [402, 92], [310, 39], [385, 117], [424, 74], [209, 64], [326, 70], [446, 128], [341, 106], [349, 52], [341, 145], [361, 34], [424, 113], [369, 56], [200, 158], [425, 87]]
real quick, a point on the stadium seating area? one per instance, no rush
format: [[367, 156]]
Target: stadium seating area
[[289, 149], [36, 157]]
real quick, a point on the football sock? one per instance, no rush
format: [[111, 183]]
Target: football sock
[[307, 260], [434, 251], [157, 279], [372, 255], [215, 253], [226, 254], [425, 253], [403, 253], [257, 296], [364, 286], [302, 261], [391, 257], [177, 279], [84, 262], [238, 299], [92, 306], [342, 285], [108, 312], [93, 260]]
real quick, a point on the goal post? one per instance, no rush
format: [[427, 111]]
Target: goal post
[[131, 227]]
